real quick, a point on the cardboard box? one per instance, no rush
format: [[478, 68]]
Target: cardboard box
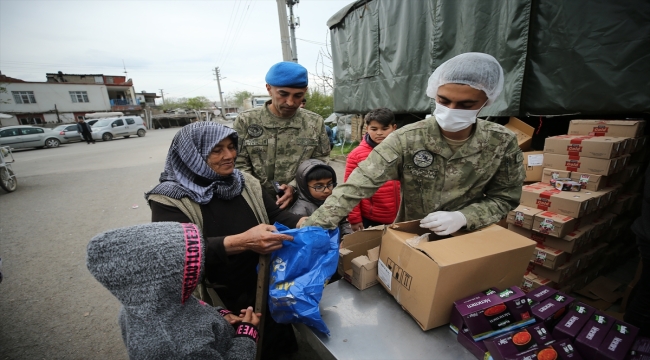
[[364, 269], [584, 164], [533, 161], [550, 223], [600, 147], [548, 174], [354, 247], [593, 333], [551, 310], [522, 216], [523, 131], [532, 282], [476, 348], [497, 313], [548, 257], [456, 320], [565, 350], [545, 197], [638, 144], [561, 275], [427, 278], [516, 343], [590, 182], [616, 128], [573, 322], [571, 243], [618, 341]]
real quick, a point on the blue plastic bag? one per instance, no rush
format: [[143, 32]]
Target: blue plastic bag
[[299, 272]]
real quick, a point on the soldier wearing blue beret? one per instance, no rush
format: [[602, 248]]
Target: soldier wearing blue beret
[[278, 136]]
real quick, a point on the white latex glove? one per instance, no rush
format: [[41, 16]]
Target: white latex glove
[[444, 222]]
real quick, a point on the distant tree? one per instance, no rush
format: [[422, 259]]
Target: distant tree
[[241, 96], [198, 103], [319, 102], [174, 103]]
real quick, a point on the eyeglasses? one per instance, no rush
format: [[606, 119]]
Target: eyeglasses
[[321, 188]]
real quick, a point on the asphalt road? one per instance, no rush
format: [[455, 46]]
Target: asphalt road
[[50, 305]]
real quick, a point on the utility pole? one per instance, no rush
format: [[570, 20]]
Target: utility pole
[[292, 25], [284, 30], [163, 96], [217, 73]]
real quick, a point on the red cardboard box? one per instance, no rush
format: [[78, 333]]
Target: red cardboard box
[[584, 164], [622, 128], [600, 147]]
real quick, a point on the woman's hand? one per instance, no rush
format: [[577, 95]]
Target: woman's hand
[[232, 318], [262, 239], [285, 200], [357, 227]]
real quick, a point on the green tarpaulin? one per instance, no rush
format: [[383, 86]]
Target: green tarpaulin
[[588, 57]]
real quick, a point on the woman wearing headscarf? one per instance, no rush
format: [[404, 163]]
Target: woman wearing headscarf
[[455, 171], [200, 185]]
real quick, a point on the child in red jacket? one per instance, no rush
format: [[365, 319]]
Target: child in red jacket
[[382, 207]]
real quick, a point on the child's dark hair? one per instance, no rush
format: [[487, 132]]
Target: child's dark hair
[[381, 115], [319, 173]]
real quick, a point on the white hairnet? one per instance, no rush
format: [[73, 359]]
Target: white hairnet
[[478, 70]]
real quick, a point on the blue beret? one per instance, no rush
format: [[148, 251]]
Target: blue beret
[[287, 74]]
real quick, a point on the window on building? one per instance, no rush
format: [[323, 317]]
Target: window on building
[[24, 97], [79, 96], [109, 79], [99, 80]]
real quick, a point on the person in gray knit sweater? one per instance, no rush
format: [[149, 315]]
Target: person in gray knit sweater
[[152, 270]]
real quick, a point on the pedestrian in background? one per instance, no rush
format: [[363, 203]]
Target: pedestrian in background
[[85, 131]]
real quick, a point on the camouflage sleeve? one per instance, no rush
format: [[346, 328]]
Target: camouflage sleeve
[[243, 161], [381, 165], [502, 193]]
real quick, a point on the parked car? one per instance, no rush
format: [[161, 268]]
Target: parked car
[[27, 136], [69, 132], [109, 128], [91, 122], [230, 116]]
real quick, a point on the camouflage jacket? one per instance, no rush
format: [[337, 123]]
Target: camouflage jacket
[[482, 179], [271, 147]]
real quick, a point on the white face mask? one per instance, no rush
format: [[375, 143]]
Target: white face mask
[[454, 120]]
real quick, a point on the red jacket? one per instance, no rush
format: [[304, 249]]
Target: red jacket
[[383, 205]]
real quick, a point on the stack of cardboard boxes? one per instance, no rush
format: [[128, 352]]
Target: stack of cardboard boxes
[[581, 211]]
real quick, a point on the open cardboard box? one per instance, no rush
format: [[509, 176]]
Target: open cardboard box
[[428, 277], [523, 131], [358, 257]]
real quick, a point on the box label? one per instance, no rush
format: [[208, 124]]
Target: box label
[[600, 130], [546, 226], [384, 273], [519, 218], [535, 160], [541, 257]]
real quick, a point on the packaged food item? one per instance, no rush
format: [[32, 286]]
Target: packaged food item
[[617, 128], [550, 175], [568, 185], [495, 314], [548, 257], [573, 322], [593, 333], [477, 348], [618, 341], [456, 320], [550, 223], [522, 216], [565, 351], [518, 342], [600, 147], [551, 310]]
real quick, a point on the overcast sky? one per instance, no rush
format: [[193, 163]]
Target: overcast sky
[[170, 45]]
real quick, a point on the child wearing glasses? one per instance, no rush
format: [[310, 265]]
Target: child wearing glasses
[[382, 207], [315, 181]]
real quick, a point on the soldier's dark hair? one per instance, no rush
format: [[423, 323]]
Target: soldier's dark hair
[[319, 173], [381, 115]]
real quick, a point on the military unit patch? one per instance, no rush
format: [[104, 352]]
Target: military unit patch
[[255, 130], [423, 158]]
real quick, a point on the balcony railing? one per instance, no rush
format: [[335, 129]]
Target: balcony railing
[[115, 102]]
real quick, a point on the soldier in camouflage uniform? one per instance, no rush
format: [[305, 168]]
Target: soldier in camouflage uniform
[[455, 172], [276, 138]]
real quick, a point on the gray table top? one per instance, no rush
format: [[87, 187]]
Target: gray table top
[[370, 324]]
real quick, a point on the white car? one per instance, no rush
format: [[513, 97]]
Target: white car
[[27, 136], [69, 132], [108, 128], [230, 116]]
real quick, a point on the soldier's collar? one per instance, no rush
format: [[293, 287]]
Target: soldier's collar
[[476, 142], [279, 122]]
